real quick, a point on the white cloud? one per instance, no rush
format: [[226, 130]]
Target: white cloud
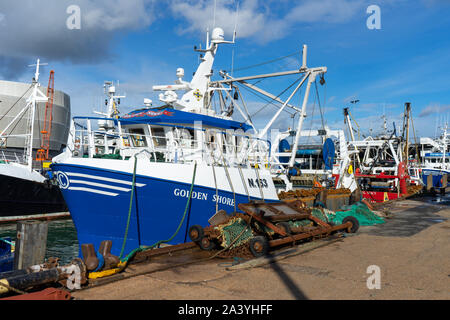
[[434, 108], [261, 20], [38, 29]]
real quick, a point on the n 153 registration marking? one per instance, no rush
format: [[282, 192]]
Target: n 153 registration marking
[[257, 183]]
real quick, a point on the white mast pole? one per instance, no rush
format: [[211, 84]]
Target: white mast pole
[[36, 96], [32, 116], [311, 78], [264, 131]]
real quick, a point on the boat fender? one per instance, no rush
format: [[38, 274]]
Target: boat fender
[[294, 171]]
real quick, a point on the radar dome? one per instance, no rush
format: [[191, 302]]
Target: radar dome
[[217, 34]]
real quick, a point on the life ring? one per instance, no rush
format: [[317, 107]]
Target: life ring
[[77, 143]]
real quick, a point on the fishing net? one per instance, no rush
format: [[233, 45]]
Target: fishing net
[[300, 223], [262, 228], [321, 214], [232, 230], [358, 210]]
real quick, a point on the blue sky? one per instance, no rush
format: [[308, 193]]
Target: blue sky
[[141, 43]]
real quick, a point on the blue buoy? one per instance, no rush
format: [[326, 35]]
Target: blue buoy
[[284, 146], [328, 153]]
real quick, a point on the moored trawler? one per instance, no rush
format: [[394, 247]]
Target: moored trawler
[[154, 172], [436, 163], [25, 187]]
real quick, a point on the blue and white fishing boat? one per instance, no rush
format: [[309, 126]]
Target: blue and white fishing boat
[[133, 179], [436, 162]]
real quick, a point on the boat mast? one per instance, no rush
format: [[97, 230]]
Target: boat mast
[[198, 91], [407, 113], [35, 97], [311, 74]]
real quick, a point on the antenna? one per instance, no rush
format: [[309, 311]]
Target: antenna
[[37, 65], [304, 54], [235, 21], [232, 61], [214, 13]]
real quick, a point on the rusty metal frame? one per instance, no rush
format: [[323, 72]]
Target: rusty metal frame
[[322, 227]]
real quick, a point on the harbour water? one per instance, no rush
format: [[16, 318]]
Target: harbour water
[[62, 239]]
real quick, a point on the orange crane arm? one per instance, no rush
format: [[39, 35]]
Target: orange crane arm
[[43, 153]]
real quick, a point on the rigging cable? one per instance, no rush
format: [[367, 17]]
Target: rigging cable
[[320, 108], [16, 102], [270, 102], [415, 141], [262, 98], [265, 62]]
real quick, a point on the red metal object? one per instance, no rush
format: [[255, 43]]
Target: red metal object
[[42, 153], [381, 196], [46, 294]]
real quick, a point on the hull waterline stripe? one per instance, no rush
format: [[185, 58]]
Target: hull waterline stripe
[[94, 191], [101, 185], [82, 175]]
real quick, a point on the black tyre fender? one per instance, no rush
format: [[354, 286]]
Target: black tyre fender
[[354, 221], [259, 246], [196, 233]]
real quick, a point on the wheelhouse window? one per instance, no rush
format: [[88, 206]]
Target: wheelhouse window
[[138, 137], [159, 136]]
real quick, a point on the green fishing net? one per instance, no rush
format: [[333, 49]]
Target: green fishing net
[[232, 230], [358, 210]]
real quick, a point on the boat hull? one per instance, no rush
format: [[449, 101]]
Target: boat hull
[[437, 176], [20, 197], [99, 199]]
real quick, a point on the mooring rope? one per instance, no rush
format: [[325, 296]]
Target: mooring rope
[[133, 185], [243, 182], [217, 189], [142, 248]]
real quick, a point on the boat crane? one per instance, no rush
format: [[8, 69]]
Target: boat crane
[[42, 153]]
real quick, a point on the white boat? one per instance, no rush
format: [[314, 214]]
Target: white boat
[[25, 191]]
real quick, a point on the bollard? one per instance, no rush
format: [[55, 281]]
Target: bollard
[[31, 243], [89, 256], [111, 261]]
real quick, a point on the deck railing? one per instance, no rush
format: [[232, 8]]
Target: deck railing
[[179, 144]]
